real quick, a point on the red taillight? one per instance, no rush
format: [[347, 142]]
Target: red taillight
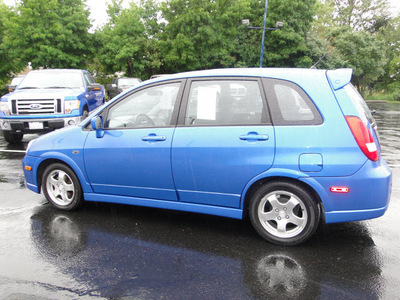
[[363, 137]]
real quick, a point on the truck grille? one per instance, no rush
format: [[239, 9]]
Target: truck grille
[[35, 106]]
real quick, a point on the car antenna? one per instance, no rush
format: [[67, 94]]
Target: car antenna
[[323, 56]]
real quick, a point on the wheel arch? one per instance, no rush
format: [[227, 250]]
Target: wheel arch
[[48, 161], [254, 186]]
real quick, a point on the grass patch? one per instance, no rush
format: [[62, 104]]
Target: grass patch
[[391, 97]]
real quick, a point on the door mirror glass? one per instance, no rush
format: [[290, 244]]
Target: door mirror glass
[[98, 125]]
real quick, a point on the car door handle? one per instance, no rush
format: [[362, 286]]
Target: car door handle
[[154, 138], [254, 137]]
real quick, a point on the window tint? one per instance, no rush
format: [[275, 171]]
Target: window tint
[[290, 105], [225, 102], [150, 107]]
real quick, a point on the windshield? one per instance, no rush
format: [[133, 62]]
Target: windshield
[[16, 80], [128, 81], [52, 79]]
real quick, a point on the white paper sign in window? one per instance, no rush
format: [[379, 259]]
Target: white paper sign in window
[[206, 103]]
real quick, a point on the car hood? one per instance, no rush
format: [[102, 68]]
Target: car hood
[[63, 140]]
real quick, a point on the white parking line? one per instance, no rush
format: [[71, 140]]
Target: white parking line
[[13, 151]]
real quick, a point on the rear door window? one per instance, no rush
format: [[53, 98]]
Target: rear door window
[[225, 102]]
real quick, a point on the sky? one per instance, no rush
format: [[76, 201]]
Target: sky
[[98, 9]]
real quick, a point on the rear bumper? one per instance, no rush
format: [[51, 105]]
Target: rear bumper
[[354, 215], [36, 125], [368, 196]]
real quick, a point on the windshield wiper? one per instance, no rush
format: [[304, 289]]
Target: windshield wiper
[[28, 88], [56, 87]]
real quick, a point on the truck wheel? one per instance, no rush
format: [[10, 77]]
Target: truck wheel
[[61, 187], [284, 213], [85, 114], [13, 138]]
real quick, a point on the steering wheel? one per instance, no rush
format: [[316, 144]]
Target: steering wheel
[[143, 120]]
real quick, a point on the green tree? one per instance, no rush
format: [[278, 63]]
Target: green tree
[[285, 47], [50, 33], [389, 82], [125, 40], [360, 14], [8, 65], [199, 34], [363, 52]]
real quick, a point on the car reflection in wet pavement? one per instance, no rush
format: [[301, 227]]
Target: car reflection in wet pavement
[[125, 252]]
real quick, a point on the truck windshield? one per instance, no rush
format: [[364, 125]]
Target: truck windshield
[[51, 79]]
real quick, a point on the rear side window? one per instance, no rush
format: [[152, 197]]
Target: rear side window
[[88, 79], [225, 102], [359, 102], [290, 105]]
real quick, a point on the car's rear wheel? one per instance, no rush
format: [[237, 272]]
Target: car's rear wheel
[[61, 187], [13, 138], [284, 213]]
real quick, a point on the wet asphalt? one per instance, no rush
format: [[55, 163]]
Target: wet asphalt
[[108, 251]]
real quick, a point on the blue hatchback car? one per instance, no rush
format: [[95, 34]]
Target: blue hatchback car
[[287, 147]]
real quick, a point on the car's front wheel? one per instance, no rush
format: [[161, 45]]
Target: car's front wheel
[[284, 213], [61, 187]]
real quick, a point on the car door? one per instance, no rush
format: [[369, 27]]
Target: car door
[[133, 158], [224, 139]]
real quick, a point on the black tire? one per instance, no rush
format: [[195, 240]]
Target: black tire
[[61, 187], [284, 213], [13, 138], [85, 113]]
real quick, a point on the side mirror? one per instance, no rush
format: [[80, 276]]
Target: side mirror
[[10, 88], [94, 87], [98, 125]]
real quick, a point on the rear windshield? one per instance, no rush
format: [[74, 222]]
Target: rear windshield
[[359, 103]]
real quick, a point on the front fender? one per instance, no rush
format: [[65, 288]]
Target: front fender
[[86, 187]]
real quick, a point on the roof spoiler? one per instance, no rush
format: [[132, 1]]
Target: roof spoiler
[[339, 78]]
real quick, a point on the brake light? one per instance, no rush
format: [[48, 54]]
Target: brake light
[[363, 137]]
